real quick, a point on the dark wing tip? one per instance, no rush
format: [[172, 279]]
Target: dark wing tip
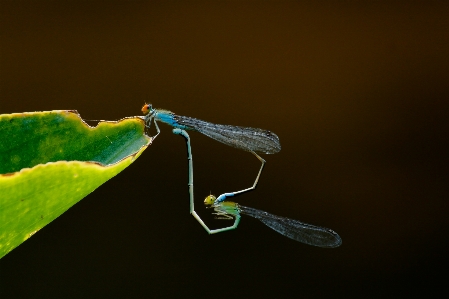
[[334, 241], [275, 144]]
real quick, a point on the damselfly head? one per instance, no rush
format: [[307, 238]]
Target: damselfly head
[[210, 200], [147, 108]]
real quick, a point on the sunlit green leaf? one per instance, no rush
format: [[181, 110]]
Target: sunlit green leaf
[[51, 160]]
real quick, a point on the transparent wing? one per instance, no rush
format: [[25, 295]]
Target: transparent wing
[[254, 139], [296, 230]]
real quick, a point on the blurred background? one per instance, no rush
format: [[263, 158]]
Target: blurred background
[[357, 92]]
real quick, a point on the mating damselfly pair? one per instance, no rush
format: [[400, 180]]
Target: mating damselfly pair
[[252, 140]]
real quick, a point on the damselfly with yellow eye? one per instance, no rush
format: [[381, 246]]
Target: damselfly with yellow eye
[[294, 229]]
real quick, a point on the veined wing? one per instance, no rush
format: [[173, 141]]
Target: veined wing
[[244, 138], [296, 230]]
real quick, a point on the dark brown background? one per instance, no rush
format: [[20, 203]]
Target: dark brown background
[[357, 92]]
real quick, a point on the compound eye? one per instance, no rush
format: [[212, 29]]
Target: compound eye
[[145, 108]]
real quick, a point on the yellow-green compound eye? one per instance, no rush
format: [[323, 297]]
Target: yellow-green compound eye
[[209, 200]]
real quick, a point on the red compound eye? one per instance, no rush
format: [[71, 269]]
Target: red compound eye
[[146, 109]]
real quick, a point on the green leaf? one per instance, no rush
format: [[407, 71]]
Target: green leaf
[[51, 160]]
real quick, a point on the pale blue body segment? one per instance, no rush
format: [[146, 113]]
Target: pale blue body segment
[[224, 196], [168, 118], [293, 229]]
